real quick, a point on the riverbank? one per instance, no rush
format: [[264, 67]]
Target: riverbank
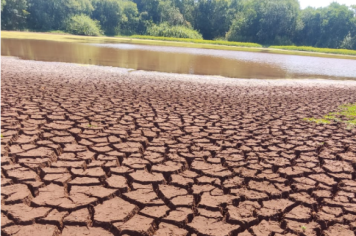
[[147, 40], [107, 151]]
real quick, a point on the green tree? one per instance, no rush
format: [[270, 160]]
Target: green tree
[[151, 7], [83, 25], [330, 27], [169, 13], [110, 15], [187, 9], [310, 31], [51, 14], [211, 19], [336, 23], [14, 14], [130, 20], [265, 22], [3, 3]]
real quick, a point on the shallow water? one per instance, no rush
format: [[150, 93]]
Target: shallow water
[[183, 60]]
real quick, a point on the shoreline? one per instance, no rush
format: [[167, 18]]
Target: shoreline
[[106, 39], [211, 79]]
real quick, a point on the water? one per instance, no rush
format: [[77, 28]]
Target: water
[[233, 64]]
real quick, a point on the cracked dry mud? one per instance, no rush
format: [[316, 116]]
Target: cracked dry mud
[[100, 151]]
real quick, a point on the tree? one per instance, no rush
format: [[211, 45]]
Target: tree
[[265, 21], [310, 31], [278, 21], [186, 8], [169, 13], [130, 19], [83, 25], [110, 15], [211, 19], [48, 15], [14, 14], [151, 7], [335, 25], [261, 21], [332, 26], [3, 3], [144, 23]]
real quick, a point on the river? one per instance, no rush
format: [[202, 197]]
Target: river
[[234, 64]]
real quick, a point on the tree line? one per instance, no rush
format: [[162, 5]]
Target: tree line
[[267, 22]]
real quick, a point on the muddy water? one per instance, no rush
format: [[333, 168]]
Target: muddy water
[[183, 60]]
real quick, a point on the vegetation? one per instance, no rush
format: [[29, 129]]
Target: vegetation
[[265, 22], [83, 25], [319, 50], [165, 30], [318, 121], [346, 114], [202, 41]]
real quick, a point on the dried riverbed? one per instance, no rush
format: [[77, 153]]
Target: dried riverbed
[[90, 150]]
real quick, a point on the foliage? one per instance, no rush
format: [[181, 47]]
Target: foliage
[[46, 15], [211, 18], [13, 14], [327, 27], [130, 20], [58, 32], [165, 30], [83, 25], [318, 121], [266, 22], [319, 50], [3, 3], [202, 41], [346, 114], [110, 14]]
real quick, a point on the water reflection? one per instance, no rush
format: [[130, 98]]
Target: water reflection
[[183, 60]]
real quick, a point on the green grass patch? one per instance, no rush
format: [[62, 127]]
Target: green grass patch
[[318, 121], [348, 111], [58, 32], [346, 114], [203, 41], [318, 50]]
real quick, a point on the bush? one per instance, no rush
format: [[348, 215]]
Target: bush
[[165, 30], [83, 25]]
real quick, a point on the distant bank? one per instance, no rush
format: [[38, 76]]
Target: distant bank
[[190, 43]]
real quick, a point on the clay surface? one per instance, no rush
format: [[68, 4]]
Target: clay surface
[[91, 150]]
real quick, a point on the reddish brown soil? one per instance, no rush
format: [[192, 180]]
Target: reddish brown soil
[[171, 154]]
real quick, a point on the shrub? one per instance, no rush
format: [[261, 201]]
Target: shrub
[[165, 30], [83, 25]]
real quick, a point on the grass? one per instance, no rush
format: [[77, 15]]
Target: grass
[[318, 121], [162, 41], [346, 114], [318, 50], [58, 32], [217, 42]]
